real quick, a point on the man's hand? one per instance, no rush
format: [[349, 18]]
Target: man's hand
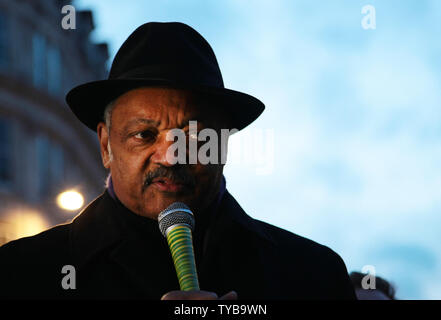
[[197, 295]]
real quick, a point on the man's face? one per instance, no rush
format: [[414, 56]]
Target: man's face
[[143, 180]]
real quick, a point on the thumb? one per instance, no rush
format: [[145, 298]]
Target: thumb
[[232, 295]]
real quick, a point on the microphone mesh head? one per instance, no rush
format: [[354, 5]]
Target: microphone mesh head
[[176, 213]]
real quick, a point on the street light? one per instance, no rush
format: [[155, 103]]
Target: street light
[[70, 200]]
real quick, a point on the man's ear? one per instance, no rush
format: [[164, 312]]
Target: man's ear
[[103, 136]]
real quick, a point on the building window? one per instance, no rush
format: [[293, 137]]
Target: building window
[[42, 146], [4, 45], [39, 61], [56, 166], [54, 70], [5, 152]]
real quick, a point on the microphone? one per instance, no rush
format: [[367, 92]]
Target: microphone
[[176, 223]]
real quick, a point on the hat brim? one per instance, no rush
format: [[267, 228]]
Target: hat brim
[[88, 101]]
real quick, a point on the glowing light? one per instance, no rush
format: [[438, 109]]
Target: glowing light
[[70, 200], [21, 222]]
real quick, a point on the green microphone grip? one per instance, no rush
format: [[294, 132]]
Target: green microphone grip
[[176, 223], [181, 247]]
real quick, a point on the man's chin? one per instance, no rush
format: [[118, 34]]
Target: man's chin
[[156, 201]]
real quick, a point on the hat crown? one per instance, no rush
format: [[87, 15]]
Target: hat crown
[[170, 51], [165, 54]]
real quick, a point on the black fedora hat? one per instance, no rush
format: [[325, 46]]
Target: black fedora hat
[[166, 54]]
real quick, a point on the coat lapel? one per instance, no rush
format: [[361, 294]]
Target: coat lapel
[[237, 254], [149, 266]]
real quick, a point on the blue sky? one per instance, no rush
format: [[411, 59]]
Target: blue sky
[[354, 117]]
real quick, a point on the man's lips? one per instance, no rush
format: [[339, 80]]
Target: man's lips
[[167, 185]]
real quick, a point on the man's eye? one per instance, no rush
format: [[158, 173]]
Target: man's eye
[[193, 136], [145, 135]]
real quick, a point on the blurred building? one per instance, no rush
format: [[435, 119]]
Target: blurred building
[[44, 149]]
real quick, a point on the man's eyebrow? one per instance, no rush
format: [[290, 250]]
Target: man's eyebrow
[[140, 121]]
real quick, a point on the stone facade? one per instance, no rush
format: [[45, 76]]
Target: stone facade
[[44, 149]]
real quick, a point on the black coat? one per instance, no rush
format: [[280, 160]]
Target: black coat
[[257, 260]]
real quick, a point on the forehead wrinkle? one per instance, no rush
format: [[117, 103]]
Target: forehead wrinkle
[[178, 115], [142, 121], [170, 107]]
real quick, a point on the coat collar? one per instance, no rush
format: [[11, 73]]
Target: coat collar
[[231, 212], [94, 230]]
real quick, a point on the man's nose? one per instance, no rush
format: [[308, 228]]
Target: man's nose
[[163, 154]]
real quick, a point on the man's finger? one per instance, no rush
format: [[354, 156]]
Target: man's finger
[[189, 295], [232, 295]]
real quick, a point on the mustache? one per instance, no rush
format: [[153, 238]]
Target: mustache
[[177, 174]]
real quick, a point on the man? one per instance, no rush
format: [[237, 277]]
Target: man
[[383, 290], [165, 77]]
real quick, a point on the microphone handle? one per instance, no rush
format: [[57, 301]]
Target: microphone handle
[[181, 246]]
